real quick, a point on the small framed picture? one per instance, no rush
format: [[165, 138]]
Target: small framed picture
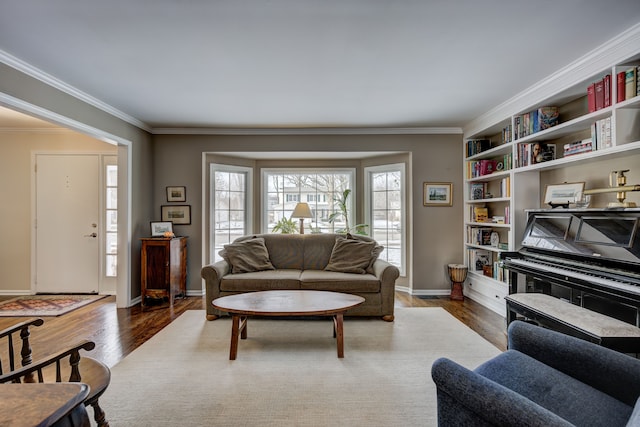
[[158, 228], [176, 194], [438, 194], [177, 214], [563, 194]]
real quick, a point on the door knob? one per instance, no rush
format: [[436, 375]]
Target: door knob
[[94, 235]]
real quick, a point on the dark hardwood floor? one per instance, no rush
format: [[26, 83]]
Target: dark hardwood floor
[[119, 331]]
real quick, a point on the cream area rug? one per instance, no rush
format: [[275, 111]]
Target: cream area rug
[[287, 372]]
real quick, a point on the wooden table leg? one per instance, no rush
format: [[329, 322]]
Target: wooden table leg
[[238, 330], [338, 333]]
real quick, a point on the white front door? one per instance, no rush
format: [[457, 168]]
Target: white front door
[[68, 235]]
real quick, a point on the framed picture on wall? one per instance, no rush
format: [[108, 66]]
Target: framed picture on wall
[[177, 214], [437, 194], [176, 194]]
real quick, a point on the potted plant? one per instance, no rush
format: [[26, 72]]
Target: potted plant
[[343, 212], [286, 226]]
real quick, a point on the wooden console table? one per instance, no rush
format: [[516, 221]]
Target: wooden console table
[[164, 268]]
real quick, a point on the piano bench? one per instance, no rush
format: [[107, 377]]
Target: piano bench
[[570, 319]]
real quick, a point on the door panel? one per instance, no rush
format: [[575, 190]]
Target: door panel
[[67, 223]]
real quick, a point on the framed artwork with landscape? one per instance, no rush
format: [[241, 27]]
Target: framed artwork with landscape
[[158, 228], [177, 214], [176, 194], [438, 194]]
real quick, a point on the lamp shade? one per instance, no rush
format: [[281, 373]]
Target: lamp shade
[[302, 210]]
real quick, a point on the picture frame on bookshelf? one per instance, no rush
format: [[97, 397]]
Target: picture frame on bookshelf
[[562, 194], [437, 194]]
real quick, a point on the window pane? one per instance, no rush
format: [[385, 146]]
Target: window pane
[[112, 175], [112, 198], [228, 210], [317, 188], [112, 221], [111, 269]]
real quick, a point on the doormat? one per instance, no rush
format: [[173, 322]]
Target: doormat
[[45, 305]]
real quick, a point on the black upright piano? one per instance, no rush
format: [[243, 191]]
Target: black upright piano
[[590, 257]]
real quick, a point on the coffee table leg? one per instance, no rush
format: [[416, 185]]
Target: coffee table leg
[[338, 333], [238, 330]]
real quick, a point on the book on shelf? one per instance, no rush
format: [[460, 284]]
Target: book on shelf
[[505, 187], [479, 235], [591, 97], [638, 80], [630, 83], [601, 134], [578, 147], [476, 146], [599, 90], [478, 258], [480, 214], [478, 190], [599, 94], [535, 121], [535, 152], [620, 90]]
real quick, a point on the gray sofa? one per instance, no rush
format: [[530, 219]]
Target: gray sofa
[[304, 261], [545, 379]]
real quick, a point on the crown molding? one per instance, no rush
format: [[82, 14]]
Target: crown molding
[[310, 131], [56, 83], [600, 60]]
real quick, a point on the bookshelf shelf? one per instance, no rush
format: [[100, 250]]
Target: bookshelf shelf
[[611, 131]]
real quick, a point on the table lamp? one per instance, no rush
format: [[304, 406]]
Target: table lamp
[[302, 211]]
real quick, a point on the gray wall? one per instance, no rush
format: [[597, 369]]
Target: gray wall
[[436, 232], [34, 92]]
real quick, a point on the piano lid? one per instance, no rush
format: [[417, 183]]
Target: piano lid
[[592, 233]]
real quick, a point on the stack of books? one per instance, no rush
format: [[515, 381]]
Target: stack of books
[[578, 147]]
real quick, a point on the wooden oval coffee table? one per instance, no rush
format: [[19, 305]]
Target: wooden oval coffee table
[[286, 304]]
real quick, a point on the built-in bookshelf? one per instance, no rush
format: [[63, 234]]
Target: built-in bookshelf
[[504, 155]]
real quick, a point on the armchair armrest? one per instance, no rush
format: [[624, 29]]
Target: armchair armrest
[[212, 275], [25, 351], [474, 399], [607, 370], [25, 374]]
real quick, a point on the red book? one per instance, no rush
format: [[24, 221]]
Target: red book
[[591, 97], [620, 79], [607, 90], [599, 95]]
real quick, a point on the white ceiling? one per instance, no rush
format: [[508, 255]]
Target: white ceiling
[[304, 63]]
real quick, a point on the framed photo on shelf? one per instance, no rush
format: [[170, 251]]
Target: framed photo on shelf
[[562, 194], [158, 228], [176, 194], [177, 214], [437, 194]]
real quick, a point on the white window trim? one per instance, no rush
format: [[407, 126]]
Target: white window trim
[[218, 167], [368, 171]]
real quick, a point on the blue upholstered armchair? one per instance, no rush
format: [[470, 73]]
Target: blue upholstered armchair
[[545, 379]]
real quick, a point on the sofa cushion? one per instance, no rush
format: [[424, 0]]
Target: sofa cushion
[[572, 400], [321, 280], [350, 256], [261, 281], [247, 256]]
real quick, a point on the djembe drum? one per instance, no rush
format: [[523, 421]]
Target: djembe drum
[[457, 274]]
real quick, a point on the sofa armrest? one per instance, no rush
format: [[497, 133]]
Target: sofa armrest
[[387, 274], [212, 275], [467, 398], [607, 370]]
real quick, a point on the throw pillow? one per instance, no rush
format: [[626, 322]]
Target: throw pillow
[[350, 256], [377, 250], [247, 256]]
